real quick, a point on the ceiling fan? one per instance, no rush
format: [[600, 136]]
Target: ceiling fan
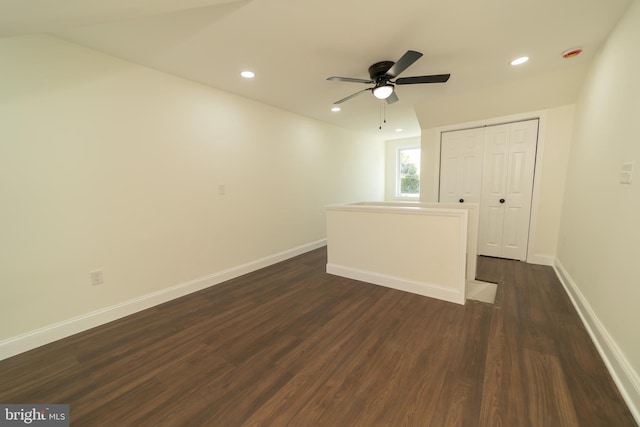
[[383, 72]]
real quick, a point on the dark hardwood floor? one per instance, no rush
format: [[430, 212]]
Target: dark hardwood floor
[[290, 345]]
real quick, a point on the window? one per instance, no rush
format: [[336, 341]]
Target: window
[[402, 169], [408, 172]]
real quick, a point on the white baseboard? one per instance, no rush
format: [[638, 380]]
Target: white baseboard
[[541, 260], [621, 371], [45, 335], [420, 288]]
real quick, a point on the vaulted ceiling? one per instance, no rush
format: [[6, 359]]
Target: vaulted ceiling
[[293, 46]]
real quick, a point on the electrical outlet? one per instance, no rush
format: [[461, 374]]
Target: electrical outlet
[[96, 277]]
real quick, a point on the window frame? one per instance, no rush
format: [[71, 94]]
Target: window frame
[[391, 166], [398, 178]]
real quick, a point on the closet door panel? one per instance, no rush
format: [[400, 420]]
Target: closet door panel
[[461, 166]]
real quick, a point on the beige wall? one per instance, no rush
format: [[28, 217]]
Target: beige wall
[[554, 142], [557, 136], [416, 249], [600, 228], [108, 165]]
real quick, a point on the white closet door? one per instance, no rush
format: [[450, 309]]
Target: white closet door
[[493, 190], [505, 205], [461, 166]]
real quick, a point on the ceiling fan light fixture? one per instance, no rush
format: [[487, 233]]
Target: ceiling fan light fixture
[[383, 91]]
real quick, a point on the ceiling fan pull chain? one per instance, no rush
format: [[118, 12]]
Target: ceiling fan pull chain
[[383, 114]]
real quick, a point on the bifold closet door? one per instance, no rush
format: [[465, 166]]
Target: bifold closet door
[[507, 187], [461, 166]]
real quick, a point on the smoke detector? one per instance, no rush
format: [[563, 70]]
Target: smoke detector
[[571, 53]]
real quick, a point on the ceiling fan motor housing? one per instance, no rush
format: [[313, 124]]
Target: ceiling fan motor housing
[[379, 69]]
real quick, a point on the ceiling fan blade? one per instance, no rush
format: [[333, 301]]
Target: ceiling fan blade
[[352, 96], [437, 78], [403, 63], [351, 80], [392, 98]]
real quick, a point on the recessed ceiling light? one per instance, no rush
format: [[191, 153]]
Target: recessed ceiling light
[[398, 130], [520, 60], [335, 109], [248, 74]]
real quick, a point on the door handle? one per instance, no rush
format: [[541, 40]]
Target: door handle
[[461, 200], [501, 200]]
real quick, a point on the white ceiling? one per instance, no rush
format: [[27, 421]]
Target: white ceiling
[[293, 45]]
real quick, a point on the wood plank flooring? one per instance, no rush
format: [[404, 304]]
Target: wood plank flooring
[[290, 345]]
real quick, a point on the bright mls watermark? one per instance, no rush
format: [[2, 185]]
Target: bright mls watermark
[[34, 415]]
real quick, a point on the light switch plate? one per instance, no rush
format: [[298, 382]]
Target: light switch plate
[[626, 173]]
